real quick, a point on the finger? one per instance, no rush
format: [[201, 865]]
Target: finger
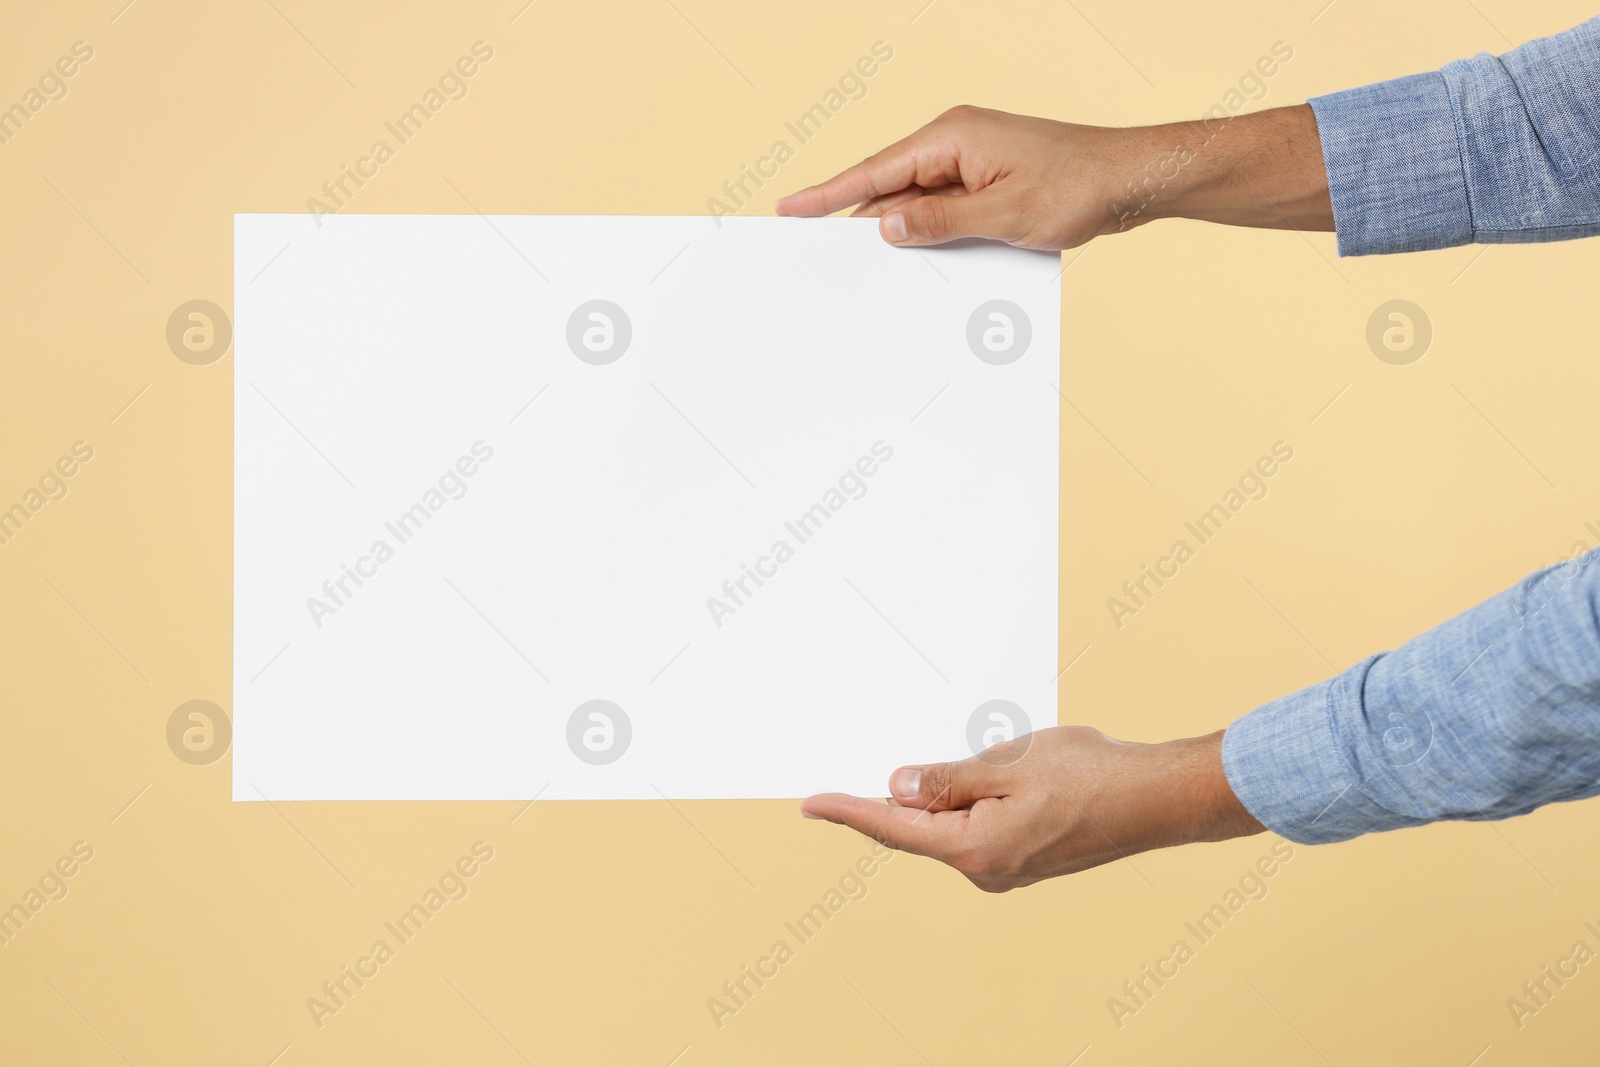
[[938, 787], [880, 204], [906, 829], [934, 220], [915, 160]]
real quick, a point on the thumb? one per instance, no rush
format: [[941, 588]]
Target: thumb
[[937, 218], [948, 786]]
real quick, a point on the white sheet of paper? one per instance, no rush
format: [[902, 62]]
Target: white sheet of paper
[[777, 517]]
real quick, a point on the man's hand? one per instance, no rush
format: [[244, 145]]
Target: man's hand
[[1049, 803], [1051, 185]]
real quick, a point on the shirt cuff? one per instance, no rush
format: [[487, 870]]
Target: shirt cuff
[[1395, 172], [1290, 768]]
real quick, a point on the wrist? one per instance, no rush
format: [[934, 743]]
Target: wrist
[[1214, 811]]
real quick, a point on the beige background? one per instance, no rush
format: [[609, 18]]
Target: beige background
[[597, 933]]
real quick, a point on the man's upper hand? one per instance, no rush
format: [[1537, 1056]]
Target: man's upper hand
[[972, 172], [1038, 183]]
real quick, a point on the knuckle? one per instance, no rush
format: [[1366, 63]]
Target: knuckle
[[931, 216], [1005, 753], [861, 176], [964, 860], [976, 863], [989, 876], [937, 781], [959, 112], [989, 868]]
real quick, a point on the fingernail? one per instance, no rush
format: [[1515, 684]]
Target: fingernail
[[905, 782], [895, 226], [811, 815]]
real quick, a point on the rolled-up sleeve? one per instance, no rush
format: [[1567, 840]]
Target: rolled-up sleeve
[[1490, 149], [1491, 714]]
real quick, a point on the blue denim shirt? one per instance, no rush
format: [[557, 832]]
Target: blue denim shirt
[[1496, 711]]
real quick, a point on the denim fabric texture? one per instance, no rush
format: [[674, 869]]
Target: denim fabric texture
[[1497, 711], [1491, 149], [1491, 714]]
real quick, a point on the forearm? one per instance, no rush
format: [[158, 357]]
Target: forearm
[[1263, 170]]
